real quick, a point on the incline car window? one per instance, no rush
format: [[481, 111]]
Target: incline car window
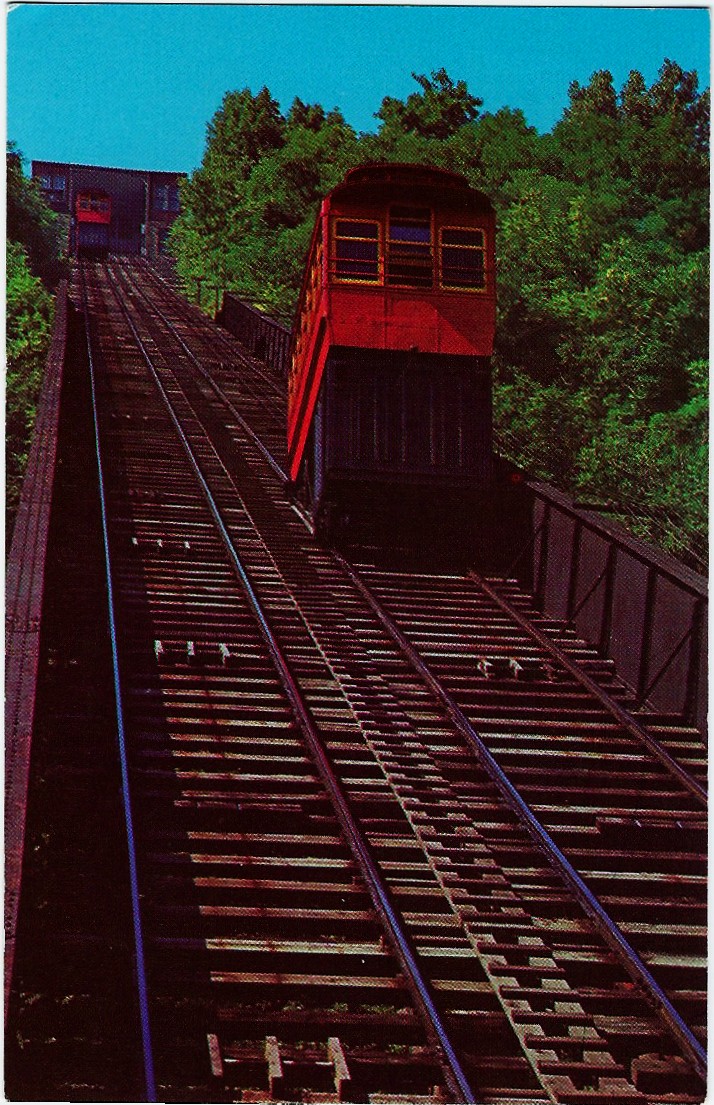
[[410, 260], [93, 203], [462, 258], [356, 250]]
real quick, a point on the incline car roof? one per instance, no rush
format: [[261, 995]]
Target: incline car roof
[[393, 177]]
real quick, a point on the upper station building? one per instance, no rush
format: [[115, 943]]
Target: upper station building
[[144, 203]]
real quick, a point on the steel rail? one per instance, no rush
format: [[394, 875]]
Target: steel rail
[[217, 390], [399, 940], [608, 928], [605, 925], [140, 963], [622, 716], [153, 274]]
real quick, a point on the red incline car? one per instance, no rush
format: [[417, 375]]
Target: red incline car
[[389, 382], [93, 216]]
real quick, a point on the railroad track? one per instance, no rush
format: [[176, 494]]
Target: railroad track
[[396, 838]]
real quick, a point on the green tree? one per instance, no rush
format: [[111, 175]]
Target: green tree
[[283, 195], [603, 226], [598, 98], [635, 329], [655, 470], [31, 222], [247, 213], [244, 129], [438, 111], [29, 313], [33, 251], [215, 214], [492, 149]]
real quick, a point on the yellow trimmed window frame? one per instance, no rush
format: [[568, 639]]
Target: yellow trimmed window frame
[[356, 250], [462, 258]]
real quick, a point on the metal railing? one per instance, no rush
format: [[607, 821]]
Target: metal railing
[[261, 335]]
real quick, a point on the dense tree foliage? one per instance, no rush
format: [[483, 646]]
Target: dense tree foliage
[[438, 111], [602, 262], [31, 223], [248, 212], [33, 256]]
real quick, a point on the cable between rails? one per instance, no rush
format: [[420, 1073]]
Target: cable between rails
[[140, 964]]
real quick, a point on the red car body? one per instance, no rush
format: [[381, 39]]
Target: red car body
[[93, 216], [93, 207], [401, 259]]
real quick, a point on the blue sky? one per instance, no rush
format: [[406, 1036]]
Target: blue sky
[[134, 85]]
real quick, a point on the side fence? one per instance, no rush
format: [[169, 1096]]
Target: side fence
[[23, 606], [637, 605], [261, 335]]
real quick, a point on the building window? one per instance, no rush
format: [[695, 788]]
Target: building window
[[59, 184], [463, 253], [166, 197], [410, 260], [356, 245], [46, 183]]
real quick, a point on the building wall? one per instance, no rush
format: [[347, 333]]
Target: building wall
[[144, 204]]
